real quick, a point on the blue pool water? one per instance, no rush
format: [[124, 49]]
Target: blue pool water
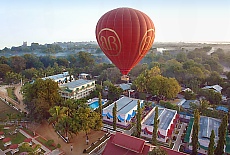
[[95, 104]]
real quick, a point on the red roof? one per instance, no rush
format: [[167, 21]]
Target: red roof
[[172, 152], [125, 144]]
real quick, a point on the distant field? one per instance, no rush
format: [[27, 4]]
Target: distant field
[[5, 109]]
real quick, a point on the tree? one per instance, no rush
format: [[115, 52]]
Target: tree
[[100, 104], [85, 59], [157, 151], [189, 95], [155, 127], [195, 131], [56, 112], [222, 136], [228, 75], [32, 150], [4, 68], [211, 143], [115, 116], [138, 119], [214, 78], [17, 63], [40, 97], [204, 104], [114, 93]]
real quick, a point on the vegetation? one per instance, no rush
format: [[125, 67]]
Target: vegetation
[[39, 101], [100, 104], [157, 151], [32, 150], [74, 116], [195, 131], [138, 125], [7, 110], [211, 146], [155, 127], [152, 82], [222, 136], [115, 116]]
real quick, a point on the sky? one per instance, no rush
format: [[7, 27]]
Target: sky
[[48, 21]]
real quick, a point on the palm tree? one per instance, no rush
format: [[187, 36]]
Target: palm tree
[[64, 126], [56, 113]]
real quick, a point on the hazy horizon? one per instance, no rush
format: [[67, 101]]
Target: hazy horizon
[[63, 21]]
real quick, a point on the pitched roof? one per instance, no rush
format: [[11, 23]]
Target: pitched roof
[[131, 143], [124, 144], [217, 88], [172, 152]]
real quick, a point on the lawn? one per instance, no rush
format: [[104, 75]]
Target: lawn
[[15, 139], [44, 142], [10, 91], [5, 109]]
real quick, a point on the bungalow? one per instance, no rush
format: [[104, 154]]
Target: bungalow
[[126, 110], [77, 89], [207, 124], [167, 121]]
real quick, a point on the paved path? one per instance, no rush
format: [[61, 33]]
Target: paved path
[[4, 95], [178, 140], [78, 141], [47, 131], [47, 151]]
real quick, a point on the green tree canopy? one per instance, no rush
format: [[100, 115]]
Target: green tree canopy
[[40, 96], [195, 132]]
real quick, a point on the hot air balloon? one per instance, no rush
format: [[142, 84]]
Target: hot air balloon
[[125, 35]]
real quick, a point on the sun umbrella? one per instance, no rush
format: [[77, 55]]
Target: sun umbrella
[[1, 133], [6, 140], [13, 146], [28, 140]]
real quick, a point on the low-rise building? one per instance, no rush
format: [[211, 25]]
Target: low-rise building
[[126, 110], [119, 144], [207, 124], [77, 89], [61, 78], [167, 121], [216, 88]]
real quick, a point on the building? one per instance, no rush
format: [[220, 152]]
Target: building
[[119, 144], [60, 78], [207, 124], [216, 88], [83, 76], [24, 44], [77, 89], [167, 121], [122, 144], [126, 110]]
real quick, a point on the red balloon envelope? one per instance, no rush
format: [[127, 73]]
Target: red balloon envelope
[[125, 35]]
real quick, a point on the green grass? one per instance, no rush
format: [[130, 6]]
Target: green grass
[[44, 142], [10, 91], [15, 139], [5, 109], [29, 132]]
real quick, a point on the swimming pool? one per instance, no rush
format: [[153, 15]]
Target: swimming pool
[[95, 104]]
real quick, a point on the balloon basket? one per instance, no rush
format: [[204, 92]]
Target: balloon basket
[[125, 78]]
